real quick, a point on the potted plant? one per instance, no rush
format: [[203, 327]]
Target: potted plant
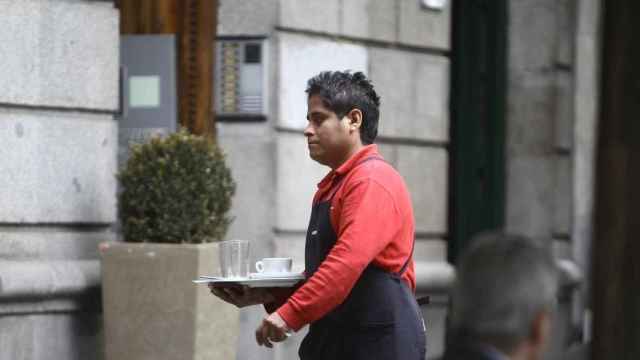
[[174, 201]]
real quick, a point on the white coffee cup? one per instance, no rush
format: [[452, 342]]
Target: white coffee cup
[[272, 266]]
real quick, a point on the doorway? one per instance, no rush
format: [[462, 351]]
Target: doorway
[[478, 83]]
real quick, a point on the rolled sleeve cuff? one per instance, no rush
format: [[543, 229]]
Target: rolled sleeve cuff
[[292, 317]]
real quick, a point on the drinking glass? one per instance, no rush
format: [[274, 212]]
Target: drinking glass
[[234, 258]]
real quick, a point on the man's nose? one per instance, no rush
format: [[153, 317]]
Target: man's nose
[[308, 131]]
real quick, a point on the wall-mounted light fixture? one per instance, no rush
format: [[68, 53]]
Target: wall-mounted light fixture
[[434, 4]]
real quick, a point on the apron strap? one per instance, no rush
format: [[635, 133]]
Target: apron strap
[[424, 300], [406, 263], [336, 186]]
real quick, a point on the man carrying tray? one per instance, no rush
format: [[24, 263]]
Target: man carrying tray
[[358, 296]]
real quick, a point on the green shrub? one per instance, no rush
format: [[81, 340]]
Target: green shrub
[[175, 189]]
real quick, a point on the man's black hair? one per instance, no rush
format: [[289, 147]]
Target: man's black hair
[[343, 91]]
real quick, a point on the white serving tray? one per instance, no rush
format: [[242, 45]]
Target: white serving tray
[[254, 280]]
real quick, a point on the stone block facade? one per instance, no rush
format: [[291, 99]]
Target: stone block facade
[[540, 119], [552, 102], [59, 165], [370, 19], [296, 181], [322, 16], [58, 146], [44, 327], [300, 57], [248, 152], [255, 17], [414, 88], [425, 172], [60, 54], [422, 27]]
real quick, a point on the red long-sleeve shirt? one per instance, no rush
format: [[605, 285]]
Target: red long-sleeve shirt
[[372, 217]]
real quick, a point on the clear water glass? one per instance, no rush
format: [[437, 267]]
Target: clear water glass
[[234, 259]]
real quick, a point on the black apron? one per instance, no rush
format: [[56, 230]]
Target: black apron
[[379, 319]]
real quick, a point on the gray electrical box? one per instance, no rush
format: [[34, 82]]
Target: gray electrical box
[[240, 79], [148, 96]]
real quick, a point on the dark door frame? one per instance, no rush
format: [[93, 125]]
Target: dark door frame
[[477, 104], [614, 292]]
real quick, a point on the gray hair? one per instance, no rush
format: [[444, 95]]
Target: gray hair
[[502, 283]]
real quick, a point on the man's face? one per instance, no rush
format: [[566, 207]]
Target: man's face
[[328, 137]]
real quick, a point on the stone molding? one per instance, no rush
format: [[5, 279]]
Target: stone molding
[[434, 277], [50, 279], [438, 277]]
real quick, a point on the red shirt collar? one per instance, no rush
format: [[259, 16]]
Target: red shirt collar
[[365, 152]]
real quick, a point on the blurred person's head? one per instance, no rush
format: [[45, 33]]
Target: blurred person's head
[[505, 293], [343, 112]]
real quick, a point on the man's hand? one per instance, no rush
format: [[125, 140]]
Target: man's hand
[[242, 296], [272, 329]]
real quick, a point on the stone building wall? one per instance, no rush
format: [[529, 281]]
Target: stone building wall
[[58, 140]]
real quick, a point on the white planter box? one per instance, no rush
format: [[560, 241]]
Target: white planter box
[[152, 310]]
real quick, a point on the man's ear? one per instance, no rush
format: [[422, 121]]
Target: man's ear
[[355, 119], [541, 329]]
